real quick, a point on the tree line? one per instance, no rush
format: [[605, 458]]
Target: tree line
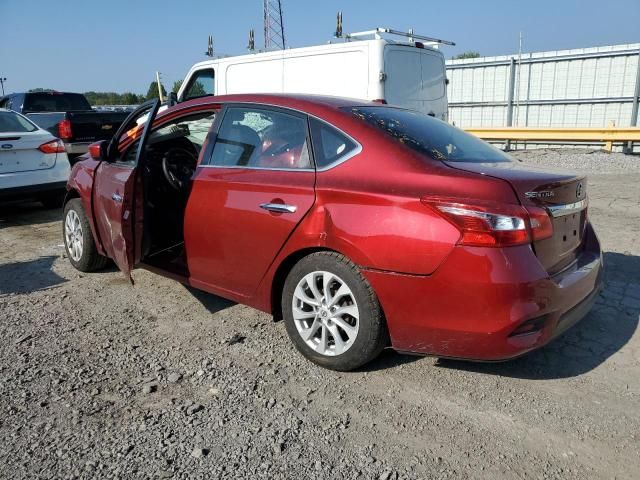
[[126, 98]]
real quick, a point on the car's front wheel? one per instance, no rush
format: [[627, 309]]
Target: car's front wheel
[[331, 313], [78, 239]]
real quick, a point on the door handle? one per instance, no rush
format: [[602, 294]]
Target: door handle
[[279, 207], [116, 198]]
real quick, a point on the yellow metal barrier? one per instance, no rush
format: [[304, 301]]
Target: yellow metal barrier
[[607, 135]]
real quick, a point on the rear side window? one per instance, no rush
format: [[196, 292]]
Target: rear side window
[[12, 122], [202, 83], [261, 138], [329, 144], [55, 102], [430, 136]]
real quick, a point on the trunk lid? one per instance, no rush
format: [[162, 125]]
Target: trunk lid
[[19, 152], [562, 193], [94, 126]]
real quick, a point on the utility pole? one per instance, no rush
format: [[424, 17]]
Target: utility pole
[[2, 80], [518, 78], [159, 87]]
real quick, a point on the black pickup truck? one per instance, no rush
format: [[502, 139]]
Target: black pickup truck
[[68, 116]]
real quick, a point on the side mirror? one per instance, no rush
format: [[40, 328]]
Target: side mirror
[[172, 99], [98, 150]]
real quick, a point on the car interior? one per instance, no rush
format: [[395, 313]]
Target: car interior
[[262, 139], [171, 157]]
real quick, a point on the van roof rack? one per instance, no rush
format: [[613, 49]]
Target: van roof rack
[[376, 33]]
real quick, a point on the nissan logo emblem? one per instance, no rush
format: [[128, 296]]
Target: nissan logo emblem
[[579, 190]]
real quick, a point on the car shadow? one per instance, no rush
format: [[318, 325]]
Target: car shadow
[[389, 359], [29, 276], [211, 302], [603, 332], [17, 213]]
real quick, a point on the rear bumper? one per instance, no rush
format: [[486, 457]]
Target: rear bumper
[[35, 183], [32, 191], [473, 306]]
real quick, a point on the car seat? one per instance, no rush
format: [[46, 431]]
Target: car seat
[[243, 137]]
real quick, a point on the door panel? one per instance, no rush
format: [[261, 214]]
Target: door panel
[[117, 193], [230, 239], [113, 203]]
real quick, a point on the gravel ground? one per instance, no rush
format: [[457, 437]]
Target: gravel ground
[[99, 379], [583, 160]]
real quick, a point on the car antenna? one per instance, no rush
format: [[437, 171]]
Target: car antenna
[[209, 52], [338, 33], [252, 42]]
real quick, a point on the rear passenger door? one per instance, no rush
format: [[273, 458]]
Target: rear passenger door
[[248, 197]]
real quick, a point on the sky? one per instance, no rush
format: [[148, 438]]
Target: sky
[[117, 45]]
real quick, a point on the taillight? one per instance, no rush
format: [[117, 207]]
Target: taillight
[[380, 100], [487, 224], [54, 146], [64, 130]]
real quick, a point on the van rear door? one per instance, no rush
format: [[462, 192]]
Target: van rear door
[[415, 79]]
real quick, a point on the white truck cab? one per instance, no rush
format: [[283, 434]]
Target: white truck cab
[[409, 74]]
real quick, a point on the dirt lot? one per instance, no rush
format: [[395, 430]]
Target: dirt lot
[[99, 379]]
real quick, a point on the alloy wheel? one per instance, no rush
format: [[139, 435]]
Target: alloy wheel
[[73, 235], [325, 313]]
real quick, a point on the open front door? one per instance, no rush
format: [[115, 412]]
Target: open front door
[[117, 189]]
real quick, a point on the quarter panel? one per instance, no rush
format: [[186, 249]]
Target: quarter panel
[[393, 233], [81, 181]]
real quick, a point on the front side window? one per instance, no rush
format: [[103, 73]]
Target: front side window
[[261, 138], [187, 132], [428, 135], [12, 122], [202, 83], [329, 144]]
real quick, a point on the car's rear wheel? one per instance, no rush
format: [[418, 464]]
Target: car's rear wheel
[[78, 239], [331, 313]]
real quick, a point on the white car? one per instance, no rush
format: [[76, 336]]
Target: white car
[[33, 163]]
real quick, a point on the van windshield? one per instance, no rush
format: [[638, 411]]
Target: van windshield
[[429, 135]]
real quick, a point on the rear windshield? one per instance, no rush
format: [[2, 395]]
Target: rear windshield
[[55, 102], [429, 135], [12, 122]]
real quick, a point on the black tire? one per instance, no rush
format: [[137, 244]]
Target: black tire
[[52, 200], [371, 337], [89, 260]]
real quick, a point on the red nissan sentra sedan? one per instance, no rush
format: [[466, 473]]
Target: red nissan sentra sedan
[[362, 225]]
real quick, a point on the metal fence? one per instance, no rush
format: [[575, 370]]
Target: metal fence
[[589, 87]]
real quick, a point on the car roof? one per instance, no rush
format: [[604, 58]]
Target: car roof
[[313, 104]]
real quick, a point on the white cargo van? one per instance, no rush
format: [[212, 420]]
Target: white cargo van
[[407, 73]]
